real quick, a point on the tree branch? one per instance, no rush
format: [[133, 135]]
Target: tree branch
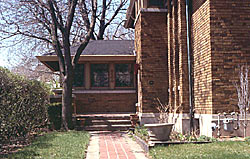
[[53, 16], [71, 15], [90, 32]]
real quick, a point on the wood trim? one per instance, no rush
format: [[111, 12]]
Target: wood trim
[[145, 3], [87, 75], [112, 75]]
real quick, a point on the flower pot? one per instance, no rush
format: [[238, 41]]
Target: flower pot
[[160, 131]]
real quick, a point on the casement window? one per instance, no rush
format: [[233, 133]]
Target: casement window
[[99, 74], [79, 76], [124, 74]]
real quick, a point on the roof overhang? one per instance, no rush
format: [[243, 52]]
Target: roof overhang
[[52, 61], [130, 15]]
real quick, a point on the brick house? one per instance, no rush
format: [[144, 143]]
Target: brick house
[[112, 76], [104, 77], [218, 41]]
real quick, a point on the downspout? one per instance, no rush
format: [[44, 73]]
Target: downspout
[[189, 50]]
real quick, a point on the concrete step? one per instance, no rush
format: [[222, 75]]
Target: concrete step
[[107, 122], [107, 127], [104, 122], [104, 117]]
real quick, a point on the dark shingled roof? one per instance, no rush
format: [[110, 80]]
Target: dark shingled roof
[[105, 47]]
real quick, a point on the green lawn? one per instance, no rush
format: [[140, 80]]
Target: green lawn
[[55, 145], [216, 150]]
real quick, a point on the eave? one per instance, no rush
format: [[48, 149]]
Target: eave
[[130, 15], [52, 61]]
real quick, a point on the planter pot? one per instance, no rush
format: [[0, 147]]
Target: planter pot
[[159, 132]]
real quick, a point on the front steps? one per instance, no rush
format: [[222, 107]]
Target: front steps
[[103, 122]]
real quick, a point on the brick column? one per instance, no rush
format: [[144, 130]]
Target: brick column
[[170, 53], [183, 60], [175, 54]]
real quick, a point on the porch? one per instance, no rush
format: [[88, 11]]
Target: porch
[[110, 115]]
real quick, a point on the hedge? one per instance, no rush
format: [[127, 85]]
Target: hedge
[[23, 105]]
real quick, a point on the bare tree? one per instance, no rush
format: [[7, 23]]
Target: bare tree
[[53, 23], [109, 25], [242, 88]]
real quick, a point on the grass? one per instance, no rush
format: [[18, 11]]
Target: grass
[[55, 145], [216, 150]]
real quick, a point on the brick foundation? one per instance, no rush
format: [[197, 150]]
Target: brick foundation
[[105, 102]]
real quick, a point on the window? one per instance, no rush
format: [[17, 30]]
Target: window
[[124, 75], [156, 3], [79, 76], [99, 75]]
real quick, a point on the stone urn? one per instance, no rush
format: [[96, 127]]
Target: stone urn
[[159, 131]]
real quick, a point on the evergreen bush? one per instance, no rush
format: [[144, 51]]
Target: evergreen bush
[[23, 105]]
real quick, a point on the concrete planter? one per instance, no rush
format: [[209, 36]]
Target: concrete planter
[[159, 132]]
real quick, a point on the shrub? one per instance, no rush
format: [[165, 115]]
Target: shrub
[[22, 104], [142, 132]]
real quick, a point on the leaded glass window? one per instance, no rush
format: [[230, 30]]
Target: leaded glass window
[[99, 75], [124, 75]]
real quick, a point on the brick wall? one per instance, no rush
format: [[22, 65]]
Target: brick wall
[[201, 47], [151, 48], [230, 42], [105, 102], [220, 42], [160, 42]]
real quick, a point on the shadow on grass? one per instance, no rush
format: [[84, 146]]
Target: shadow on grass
[[31, 151]]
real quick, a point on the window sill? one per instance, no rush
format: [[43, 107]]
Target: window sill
[[103, 91]]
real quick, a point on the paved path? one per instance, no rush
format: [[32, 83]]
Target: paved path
[[113, 145]]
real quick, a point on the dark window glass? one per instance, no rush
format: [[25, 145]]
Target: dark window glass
[[79, 76], [157, 3], [99, 75], [124, 75]]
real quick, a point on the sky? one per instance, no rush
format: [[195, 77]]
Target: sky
[[3, 63], [4, 58]]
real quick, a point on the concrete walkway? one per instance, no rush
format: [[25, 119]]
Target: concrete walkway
[[113, 145]]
